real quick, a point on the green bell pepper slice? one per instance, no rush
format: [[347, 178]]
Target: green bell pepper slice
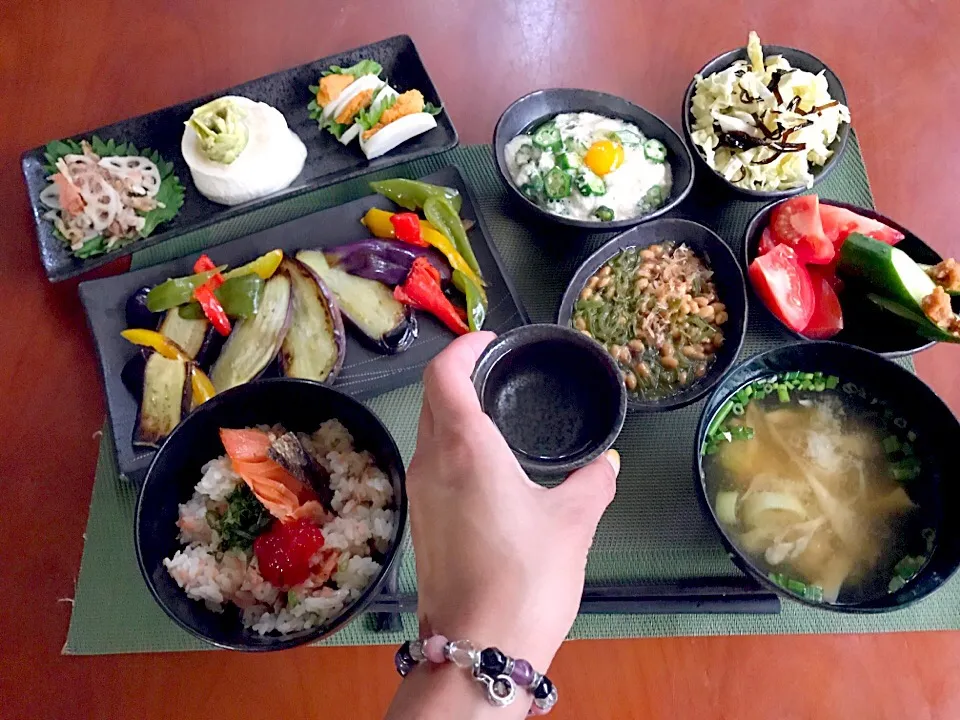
[[476, 302], [239, 295], [178, 291], [413, 194], [443, 216]]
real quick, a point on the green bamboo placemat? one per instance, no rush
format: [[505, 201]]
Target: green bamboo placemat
[[653, 531]]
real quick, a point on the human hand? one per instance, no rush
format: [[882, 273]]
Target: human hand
[[500, 559]]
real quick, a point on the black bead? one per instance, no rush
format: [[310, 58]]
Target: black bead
[[543, 689], [492, 661], [403, 660]]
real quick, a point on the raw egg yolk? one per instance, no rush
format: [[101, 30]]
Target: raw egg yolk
[[604, 156]]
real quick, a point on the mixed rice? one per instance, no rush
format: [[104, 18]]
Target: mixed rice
[[219, 566]]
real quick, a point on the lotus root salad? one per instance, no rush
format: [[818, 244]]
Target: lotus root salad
[[103, 195], [289, 528]]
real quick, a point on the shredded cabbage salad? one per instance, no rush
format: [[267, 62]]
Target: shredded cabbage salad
[[763, 124]]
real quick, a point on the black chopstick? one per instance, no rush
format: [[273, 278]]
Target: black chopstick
[[733, 595]]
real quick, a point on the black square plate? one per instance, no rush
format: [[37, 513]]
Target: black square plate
[[365, 373], [328, 161]]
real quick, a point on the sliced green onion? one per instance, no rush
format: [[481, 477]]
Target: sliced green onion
[[792, 375], [832, 382], [718, 419], [819, 385], [911, 436], [891, 444], [783, 394], [906, 469], [742, 432], [807, 376], [738, 409]]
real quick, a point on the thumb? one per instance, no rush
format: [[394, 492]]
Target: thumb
[[587, 492]]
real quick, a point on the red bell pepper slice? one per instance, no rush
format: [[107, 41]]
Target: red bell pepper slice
[[421, 290], [406, 227], [205, 264], [212, 308]]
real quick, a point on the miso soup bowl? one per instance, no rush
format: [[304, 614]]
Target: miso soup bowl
[[915, 407]]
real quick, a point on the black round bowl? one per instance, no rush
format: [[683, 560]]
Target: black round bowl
[[797, 59], [727, 275], [540, 105], [299, 405], [555, 394], [864, 324], [868, 375]]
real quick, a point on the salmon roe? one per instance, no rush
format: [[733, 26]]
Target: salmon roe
[[285, 550]]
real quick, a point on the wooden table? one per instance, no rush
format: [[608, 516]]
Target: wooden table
[[69, 67]]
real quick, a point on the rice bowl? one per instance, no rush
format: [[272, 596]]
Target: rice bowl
[[361, 528], [195, 499]]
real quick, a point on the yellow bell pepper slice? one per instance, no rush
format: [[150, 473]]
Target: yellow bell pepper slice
[[200, 385], [377, 221], [264, 266]]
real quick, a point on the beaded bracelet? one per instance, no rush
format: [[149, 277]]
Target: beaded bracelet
[[497, 671]]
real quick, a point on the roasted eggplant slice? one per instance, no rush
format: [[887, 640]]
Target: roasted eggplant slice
[[255, 341], [190, 335], [386, 261], [288, 452], [132, 373], [137, 313], [166, 399], [385, 324], [315, 345]]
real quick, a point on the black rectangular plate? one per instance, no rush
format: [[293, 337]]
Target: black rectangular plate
[[365, 373], [327, 162]]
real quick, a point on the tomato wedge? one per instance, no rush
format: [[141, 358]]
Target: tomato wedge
[[839, 222], [827, 318], [784, 286], [796, 222], [767, 243]]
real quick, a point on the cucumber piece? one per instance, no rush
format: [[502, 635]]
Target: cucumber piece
[[921, 323], [567, 160], [533, 188], [627, 138], [886, 270], [527, 154], [589, 183]]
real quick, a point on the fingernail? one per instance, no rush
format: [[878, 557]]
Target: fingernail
[[613, 457]]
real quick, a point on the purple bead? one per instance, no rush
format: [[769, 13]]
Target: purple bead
[[433, 649], [522, 673]]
